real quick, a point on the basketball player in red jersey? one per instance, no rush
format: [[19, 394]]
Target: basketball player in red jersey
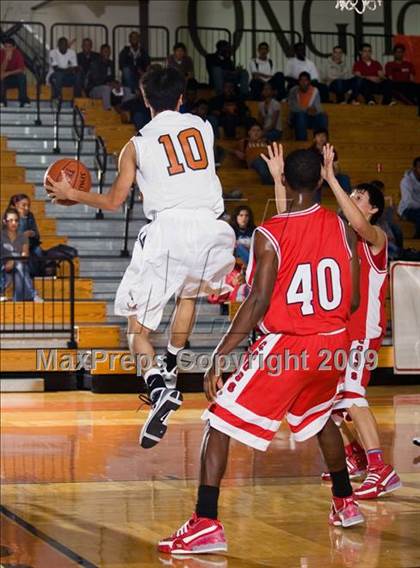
[[301, 270], [367, 328]]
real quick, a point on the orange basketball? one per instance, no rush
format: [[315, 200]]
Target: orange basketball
[[75, 171]]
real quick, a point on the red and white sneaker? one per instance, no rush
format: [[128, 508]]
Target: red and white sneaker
[[199, 535], [345, 512], [165, 545], [379, 482], [356, 466]]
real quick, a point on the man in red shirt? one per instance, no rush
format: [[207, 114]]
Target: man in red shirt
[[370, 78], [12, 72], [304, 279], [402, 75]]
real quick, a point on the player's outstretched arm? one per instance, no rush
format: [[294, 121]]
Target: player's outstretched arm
[[111, 200], [371, 233], [251, 311], [275, 163], [354, 269]]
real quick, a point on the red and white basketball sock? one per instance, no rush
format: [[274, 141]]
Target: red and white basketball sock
[[375, 458]]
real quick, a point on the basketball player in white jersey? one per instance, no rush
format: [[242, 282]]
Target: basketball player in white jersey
[[185, 251]]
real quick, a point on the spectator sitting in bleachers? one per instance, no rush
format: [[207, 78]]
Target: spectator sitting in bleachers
[[370, 78], [64, 71], [402, 73], [12, 72], [229, 110], [133, 62], [269, 114], [29, 228], [139, 113], [261, 71], [299, 64], [180, 60], [390, 226], [242, 222], [85, 59], [409, 206], [250, 149], [189, 99], [305, 108], [221, 69], [321, 138], [338, 75], [201, 109], [15, 272], [101, 81]]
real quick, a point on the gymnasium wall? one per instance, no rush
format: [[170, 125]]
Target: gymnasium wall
[[403, 16]]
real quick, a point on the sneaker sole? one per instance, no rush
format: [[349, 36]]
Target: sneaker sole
[[352, 522], [205, 549], [156, 425]]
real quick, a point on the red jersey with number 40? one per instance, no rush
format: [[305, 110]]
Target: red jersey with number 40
[[312, 293], [369, 320]]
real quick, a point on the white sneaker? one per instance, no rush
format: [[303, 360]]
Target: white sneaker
[[168, 401], [38, 299], [3, 298]]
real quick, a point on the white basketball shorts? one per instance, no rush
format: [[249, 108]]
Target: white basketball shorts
[[182, 253]]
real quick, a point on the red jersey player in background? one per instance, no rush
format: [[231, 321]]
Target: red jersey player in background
[[367, 328], [301, 271]]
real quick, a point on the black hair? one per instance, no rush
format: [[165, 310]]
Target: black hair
[[87, 39], [200, 102], [222, 43], [363, 45], [378, 184], [9, 210], [337, 47], [304, 74], [321, 131], [16, 198], [298, 45], [302, 170], [62, 38], [376, 199], [163, 87], [263, 44], [180, 45], [10, 41], [235, 213], [416, 161], [105, 45], [398, 46]]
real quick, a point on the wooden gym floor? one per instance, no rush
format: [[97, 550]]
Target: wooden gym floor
[[79, 491]]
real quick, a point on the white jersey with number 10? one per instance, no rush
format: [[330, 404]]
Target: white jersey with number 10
[[175, 165]]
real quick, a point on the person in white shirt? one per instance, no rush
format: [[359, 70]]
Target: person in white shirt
[[299, 64], [262, 71], [186, 251], [64, 71], [338, 75]]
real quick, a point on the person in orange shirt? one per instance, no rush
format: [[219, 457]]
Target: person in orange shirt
[[305, 108]]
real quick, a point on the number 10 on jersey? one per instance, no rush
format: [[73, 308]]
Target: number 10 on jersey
[[185, 137]]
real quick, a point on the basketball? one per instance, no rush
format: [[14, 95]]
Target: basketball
[[75, 171]]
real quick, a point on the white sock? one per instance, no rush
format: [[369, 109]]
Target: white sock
[[174, 350]]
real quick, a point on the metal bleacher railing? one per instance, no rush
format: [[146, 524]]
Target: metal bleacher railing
[[56, 314], [78, 130], [101, 163], [199, 42], [76, 33], [154, 38]]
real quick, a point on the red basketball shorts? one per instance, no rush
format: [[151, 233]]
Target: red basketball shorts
[[356, 378], [282, 375]]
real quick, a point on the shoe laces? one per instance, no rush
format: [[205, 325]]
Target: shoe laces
[[145, 400], [372, 477], [184, 528]]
